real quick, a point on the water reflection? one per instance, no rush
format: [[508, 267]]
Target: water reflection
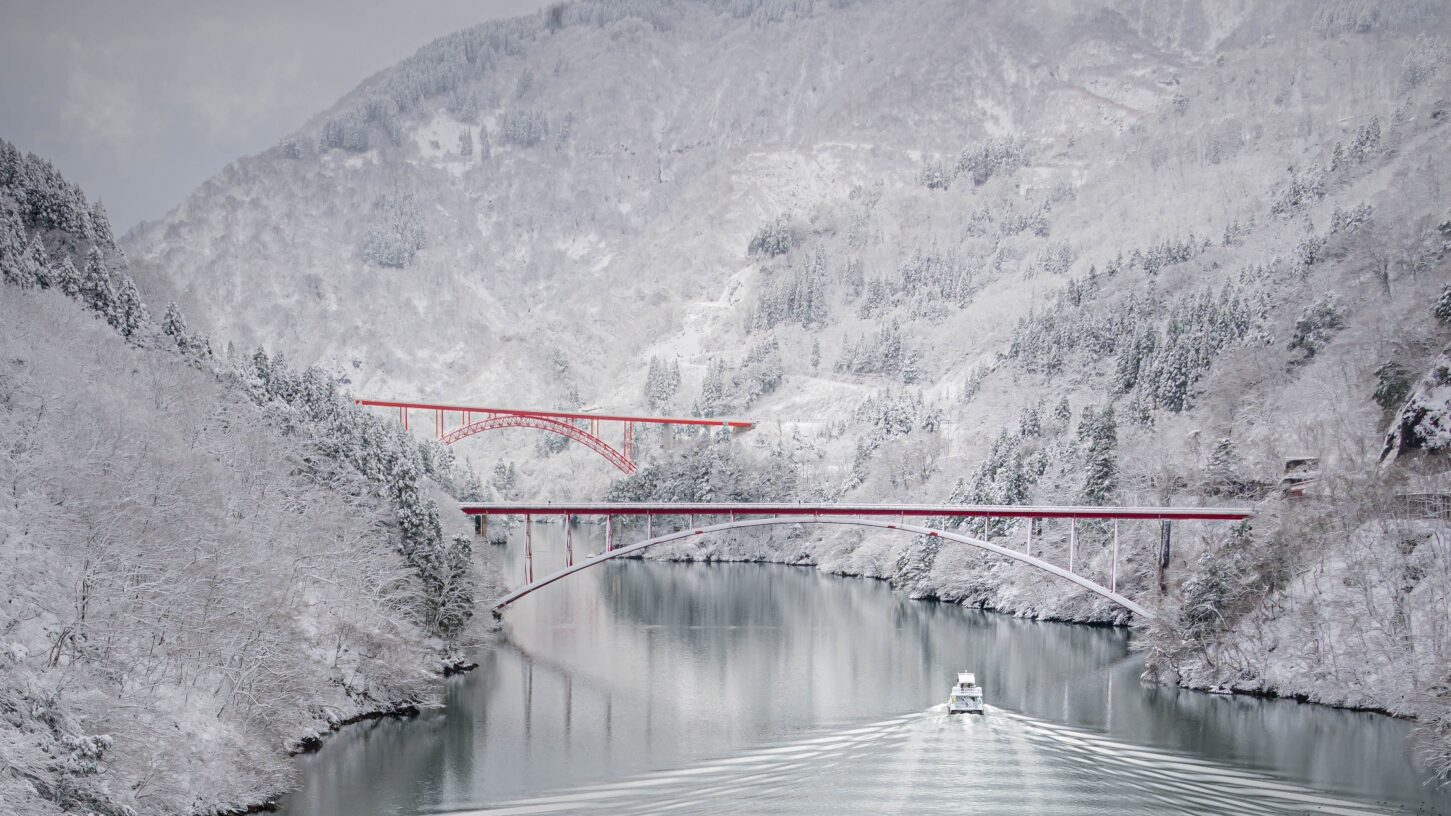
[[636, 686]]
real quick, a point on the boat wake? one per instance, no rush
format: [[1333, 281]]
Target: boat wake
[[1004, 763]]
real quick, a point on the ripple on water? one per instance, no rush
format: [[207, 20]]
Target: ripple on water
[[930, 762]]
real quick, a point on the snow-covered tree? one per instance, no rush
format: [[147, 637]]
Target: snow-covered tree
[[127, 314], [935, 175], [65, 277], [661, 383], [884, 352], [775, 237], [397, 234], [1098, 435], [523, 128], [1392, 385], [1222, 476], [101, 226], [982, 161], [1317, 324], [173, 325], [97, 289], [799, 295], [1441, 309]]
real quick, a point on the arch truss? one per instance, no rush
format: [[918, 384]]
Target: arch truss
[[878, 516], [583, 427]]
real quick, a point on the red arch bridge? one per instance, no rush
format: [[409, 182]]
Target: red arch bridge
[[917, 519], [581, 426]]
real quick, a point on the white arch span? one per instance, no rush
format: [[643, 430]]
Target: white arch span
[[861, 522]]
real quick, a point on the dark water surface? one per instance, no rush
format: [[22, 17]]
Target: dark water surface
[[640, 687]]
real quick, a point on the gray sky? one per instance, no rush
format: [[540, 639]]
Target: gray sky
[[139, 102]]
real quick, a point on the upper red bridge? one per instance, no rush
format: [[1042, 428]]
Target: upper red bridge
[[581, 426]]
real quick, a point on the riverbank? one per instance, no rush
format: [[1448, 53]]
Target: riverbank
[[313, 740], [1258, 655]]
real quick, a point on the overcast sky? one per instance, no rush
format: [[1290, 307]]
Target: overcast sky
[[139, 101]]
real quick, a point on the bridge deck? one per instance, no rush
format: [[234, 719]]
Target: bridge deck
[[722, 422], [586, 508]]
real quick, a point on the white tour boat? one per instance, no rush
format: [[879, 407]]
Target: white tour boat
[[966, 696]]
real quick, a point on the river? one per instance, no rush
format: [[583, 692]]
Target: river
[[644, 687]]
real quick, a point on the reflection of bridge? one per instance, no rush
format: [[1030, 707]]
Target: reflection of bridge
[[582, 427], [882, 516]]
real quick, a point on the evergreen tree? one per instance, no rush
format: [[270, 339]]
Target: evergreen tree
[[35, 264], [1100, 466], [775, 237], [65, 277], [13, 249], [466, 143], [712, 390], [173, 325], [10, 161], [1317, 324], [398, 234], [1031, 422], [1442, 308], [101, 226], [127, 313], [815, 354], [1212, 595], [485, 150], [1222, 472], [914, 565], [661, 383], [97, 290], [262, 365], [1063, 413], [1393, 385], [453, 590]]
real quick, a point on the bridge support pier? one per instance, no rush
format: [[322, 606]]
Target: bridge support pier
[[568, 541], [1113, 567], [609, 533], [1165, 550], [1072, 541], [528, 549]]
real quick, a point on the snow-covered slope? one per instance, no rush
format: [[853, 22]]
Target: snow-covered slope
[[675, 130], [203, 561], [927, 244]]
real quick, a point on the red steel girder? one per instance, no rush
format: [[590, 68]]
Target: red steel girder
[[737, 424], [585, 508], [566, 429]]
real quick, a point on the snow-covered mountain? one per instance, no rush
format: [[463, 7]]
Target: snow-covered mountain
[[928, 245], [582, 189]]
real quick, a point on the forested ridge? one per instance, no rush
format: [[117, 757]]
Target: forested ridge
[[207, 557]]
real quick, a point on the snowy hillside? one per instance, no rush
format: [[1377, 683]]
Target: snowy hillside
[[1031, 252], [203, 561]]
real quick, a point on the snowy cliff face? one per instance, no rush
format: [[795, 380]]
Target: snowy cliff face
[[1008, 252]]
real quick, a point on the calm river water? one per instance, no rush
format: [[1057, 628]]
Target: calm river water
[[640, 687]]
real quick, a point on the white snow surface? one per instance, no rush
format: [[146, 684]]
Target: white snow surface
[[561, 268]]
